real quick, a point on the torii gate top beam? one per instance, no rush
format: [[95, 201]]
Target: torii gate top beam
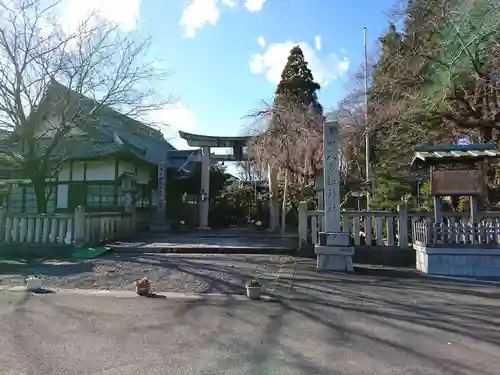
[[198, 140]]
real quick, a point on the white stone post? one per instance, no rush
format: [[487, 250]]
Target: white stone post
[[272, 177], [79, 226], [3, 219], [403, 226], [333, 251], [205, 188], [303, 224]]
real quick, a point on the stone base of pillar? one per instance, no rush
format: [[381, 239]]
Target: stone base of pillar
[[334, 253], [203, 228], [328, 262]]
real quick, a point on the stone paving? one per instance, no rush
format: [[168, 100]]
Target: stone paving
[[226, 240]]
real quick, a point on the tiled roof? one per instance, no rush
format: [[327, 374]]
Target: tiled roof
[[424, 154], [110, 132], [74, 148], [114, 127], [179, 159]]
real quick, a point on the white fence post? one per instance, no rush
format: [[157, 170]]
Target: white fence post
[[3, 221], [79, 226], [403, 226], [8, 230]]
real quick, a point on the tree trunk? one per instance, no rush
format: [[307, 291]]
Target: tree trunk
[[39, 184], [283, 208], [274, 209]]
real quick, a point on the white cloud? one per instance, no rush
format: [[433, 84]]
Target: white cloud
[[176, 116], [172, 118], [273, 60], [261, 41], [229, 3], [317, 43], [124, 13], [200, 12], [254, 5]]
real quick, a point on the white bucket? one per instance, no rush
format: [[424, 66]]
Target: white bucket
[[254, 292], [33, 284]]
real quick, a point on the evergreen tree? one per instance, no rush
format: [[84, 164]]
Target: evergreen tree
[[293, 139], [297, 83]]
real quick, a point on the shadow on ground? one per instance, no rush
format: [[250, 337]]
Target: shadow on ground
[[39, 266], [372, 321], [220, 273], [448, 326]]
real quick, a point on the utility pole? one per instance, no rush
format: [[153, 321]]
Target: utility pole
[[367, 136]]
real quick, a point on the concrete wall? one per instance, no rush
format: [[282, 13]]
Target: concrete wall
[[102, 170], [143, 175], [390, 256], [458, 261], [385, 256]]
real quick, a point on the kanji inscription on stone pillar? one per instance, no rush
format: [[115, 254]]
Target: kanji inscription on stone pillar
[[331, 177], [333, 250]]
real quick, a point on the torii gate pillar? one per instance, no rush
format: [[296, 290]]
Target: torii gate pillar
[[204, 205]]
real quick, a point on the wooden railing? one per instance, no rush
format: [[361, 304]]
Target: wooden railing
[[78, 228]]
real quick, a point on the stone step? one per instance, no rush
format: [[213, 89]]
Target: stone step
[[140, 247]]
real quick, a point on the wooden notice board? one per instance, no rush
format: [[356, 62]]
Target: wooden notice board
[[457, 182]]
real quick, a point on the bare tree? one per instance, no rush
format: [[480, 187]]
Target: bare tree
[[350, 116], [54, 79], [248, 170], [291, 143]]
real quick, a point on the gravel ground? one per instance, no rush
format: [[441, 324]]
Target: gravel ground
[[187, 273]]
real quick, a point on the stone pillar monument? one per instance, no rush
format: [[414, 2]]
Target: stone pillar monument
[[333, 251], [162, 171], [159, 221], [204, 204]]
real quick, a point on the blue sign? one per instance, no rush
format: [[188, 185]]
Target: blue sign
[[462, 141]]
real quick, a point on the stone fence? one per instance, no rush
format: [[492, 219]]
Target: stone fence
[[380, 228], [79, 228], [459, 230], [400, 228]]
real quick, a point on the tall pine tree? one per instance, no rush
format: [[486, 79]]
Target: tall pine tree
[[297, 83]]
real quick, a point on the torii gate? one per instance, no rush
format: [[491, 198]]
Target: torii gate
[[206, 142]]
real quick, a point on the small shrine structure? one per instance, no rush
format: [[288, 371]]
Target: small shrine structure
[[457, 243]]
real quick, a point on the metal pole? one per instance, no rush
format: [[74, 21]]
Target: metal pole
[[367, 137]]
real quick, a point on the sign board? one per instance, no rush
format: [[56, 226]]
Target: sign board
[[457, 182], [161, 185]]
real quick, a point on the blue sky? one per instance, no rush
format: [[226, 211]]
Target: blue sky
[[226, 55]]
